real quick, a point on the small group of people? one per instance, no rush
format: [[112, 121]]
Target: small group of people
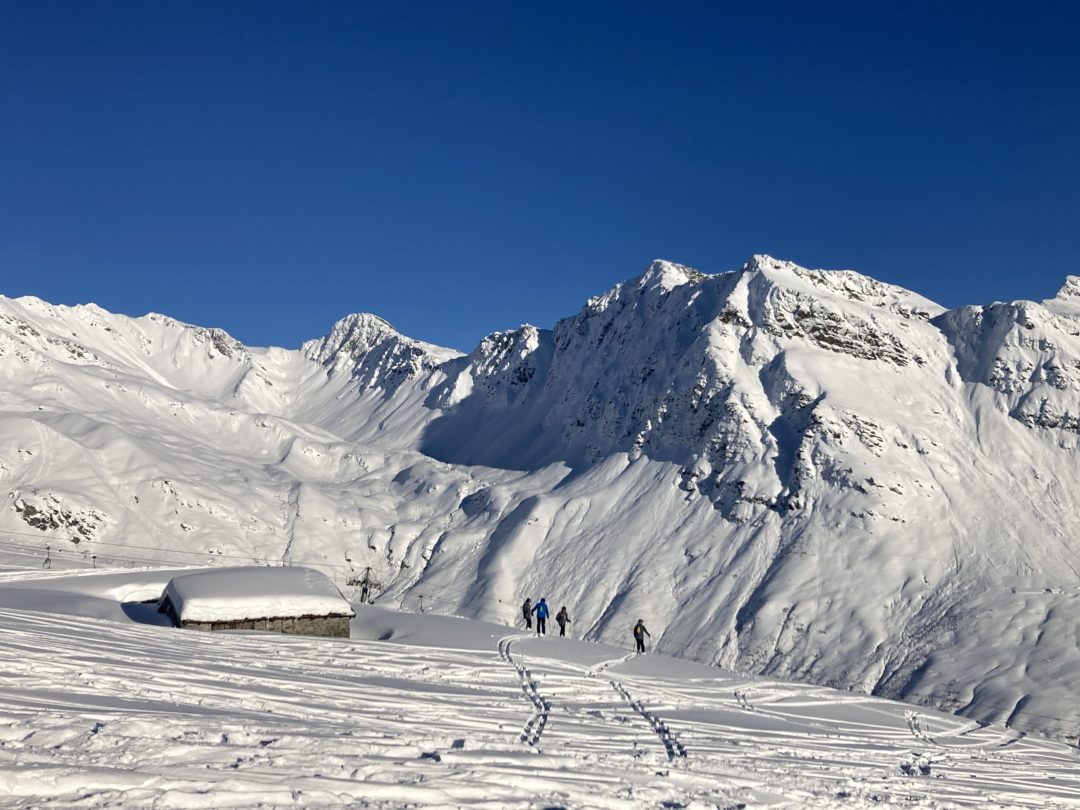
[[562, 618]]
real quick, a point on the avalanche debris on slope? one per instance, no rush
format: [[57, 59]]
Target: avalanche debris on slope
[[797, 472]]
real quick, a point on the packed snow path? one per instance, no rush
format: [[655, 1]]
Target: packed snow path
[[424, 710]]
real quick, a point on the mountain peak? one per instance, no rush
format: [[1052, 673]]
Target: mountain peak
[[377, 352], [762, 262], [1070, 290], [352, 336], [666, 276], [1067, 300]]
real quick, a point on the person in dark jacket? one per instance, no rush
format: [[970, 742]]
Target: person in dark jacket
[[639, 635], [541, 611], [563, 619], [527, 612]]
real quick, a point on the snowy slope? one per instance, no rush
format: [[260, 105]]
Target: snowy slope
[[804, 474], [99, 708]]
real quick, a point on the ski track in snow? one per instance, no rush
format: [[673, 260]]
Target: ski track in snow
[[534, 726], [915, 725], [98, 713], [671, 744], [598, 668]]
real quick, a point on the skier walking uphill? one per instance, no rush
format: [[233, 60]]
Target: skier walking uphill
[[541, 611], [639, 635], [526, 612], [563, 619]]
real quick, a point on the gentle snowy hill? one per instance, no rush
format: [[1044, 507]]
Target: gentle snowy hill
[[100, 708], [795, 473]]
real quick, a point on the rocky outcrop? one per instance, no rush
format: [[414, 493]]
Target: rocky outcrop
[[375, 354]]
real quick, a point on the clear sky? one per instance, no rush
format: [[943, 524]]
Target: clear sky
[[460, 167]]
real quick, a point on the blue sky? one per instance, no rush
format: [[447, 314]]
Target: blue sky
[[459, 168]]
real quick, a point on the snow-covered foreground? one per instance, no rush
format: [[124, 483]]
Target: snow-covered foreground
[[99, 707], [794, 473]]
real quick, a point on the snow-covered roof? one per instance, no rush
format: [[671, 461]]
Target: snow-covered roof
[[254, 592]]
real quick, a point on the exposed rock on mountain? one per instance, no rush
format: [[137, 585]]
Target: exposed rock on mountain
[[803, 473], [1028, 353], [374, 353]]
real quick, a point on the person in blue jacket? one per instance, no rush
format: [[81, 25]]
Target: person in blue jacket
[[541, 611]]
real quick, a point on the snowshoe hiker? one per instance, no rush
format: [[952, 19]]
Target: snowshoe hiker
[[639, 635], [526, 612], [563, 619], [541, 611]]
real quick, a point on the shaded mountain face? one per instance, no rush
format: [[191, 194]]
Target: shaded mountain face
[[796, 472]]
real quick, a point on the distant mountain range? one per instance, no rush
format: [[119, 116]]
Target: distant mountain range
[[790, 472]]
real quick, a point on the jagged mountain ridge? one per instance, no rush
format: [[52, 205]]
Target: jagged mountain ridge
[[800, 473]]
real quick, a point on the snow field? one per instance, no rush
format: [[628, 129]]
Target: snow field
[[441, 712]]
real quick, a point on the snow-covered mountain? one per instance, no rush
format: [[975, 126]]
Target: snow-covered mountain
[[798, 473]]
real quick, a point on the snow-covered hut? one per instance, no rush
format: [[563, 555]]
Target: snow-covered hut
[[300, 601]]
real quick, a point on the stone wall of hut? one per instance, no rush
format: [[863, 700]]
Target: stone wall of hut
[[332, 626]]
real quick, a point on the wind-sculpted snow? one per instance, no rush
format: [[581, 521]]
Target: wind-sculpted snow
[[802, 473]]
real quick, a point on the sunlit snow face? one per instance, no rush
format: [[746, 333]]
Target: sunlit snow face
[[728, 456]]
